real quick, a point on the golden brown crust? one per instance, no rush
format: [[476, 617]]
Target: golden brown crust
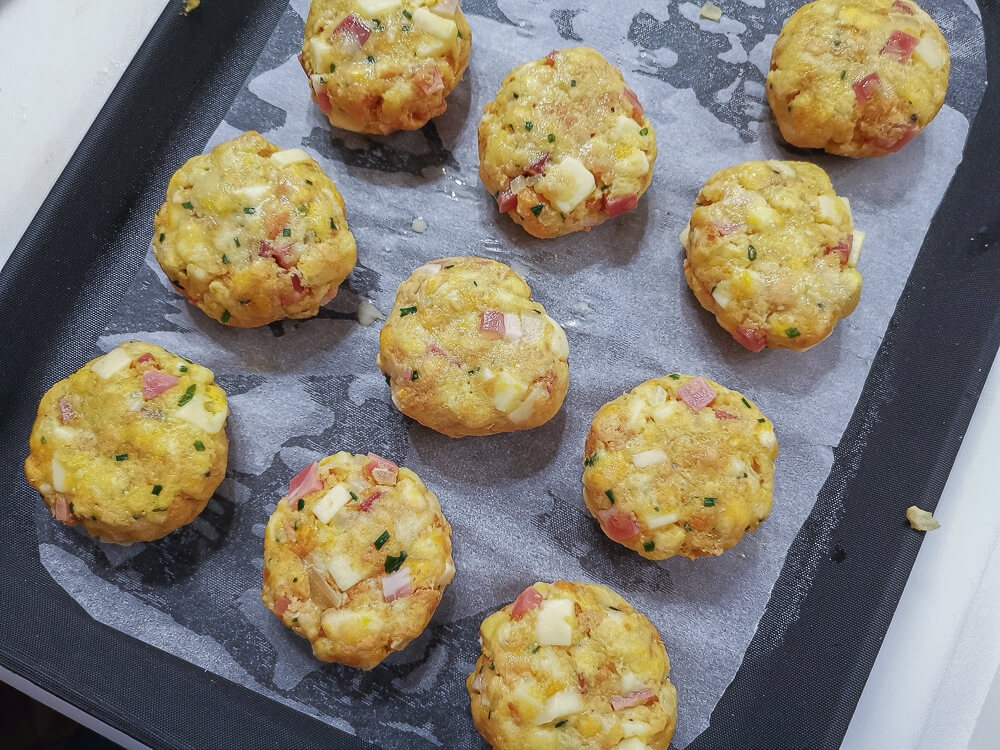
[[126, 467], [398, 79], [664, 479], [572, 665], [449, 374], [326, 556], [574, 107], [251, 233], [772, 252], [845, 76]]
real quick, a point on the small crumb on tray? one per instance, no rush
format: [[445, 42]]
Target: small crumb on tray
[[921, 520], [419, 225], [190, 5], [368, 313], [711, 11]]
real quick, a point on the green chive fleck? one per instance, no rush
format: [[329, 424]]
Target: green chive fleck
[[286, 232], [528, 125], [162, 235], [460, 35], [121, 456], [644, 131], [590, 461], [404, 311], [353, 496], [183, 368], [762, 420], [188, 395], [237, 241], [332, 225], [332, 68], [157, 489], [226, 315], [370, 59], [382, 539], [492, 666], [407, 14], [302, 503], [249, 210], [515, 95], [611, 496], [208, 473], [648, 546], [406, 27], [225, 258], [415, 376], [674, 376], [792, 332], [709, 502], [842, 74], [392, 563], [388, 380], [751, 252], [561, 723], [451, 266], [187, 205], [199, 446], [552, 137], [309, 182], [536, 210], [534, 649], [573, 83], [303, 209], [745, 402], [687, 527]]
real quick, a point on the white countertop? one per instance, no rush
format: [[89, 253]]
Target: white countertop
[[936, 682]]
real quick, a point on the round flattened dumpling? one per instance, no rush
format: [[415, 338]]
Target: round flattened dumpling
[[130, 446], [772, 252], [572, 665], [356, 558], [679, 466], [466, 351], [857, 79], [565, 145], [251, 233], [376, 66]]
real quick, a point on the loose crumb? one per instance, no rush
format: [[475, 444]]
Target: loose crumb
[[419, 225], [711, 11], [368, 313], [921, 520], [190, 5]]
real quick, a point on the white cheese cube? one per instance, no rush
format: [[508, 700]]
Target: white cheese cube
[[195, 412], [509, 393], [560, 704], [685, 234], [721, 293], [254, 194], [111, 362], [374, 8], [328, 505], [290, 156], [648, 458], [855, 256], [524, 411], [558, 344], [930, 52], [566, 184], [665, 519], [634, 743], [58, 476], [343, 571], [827, 209], [631, 683], [767, 439], [552, 627], [435, 25]]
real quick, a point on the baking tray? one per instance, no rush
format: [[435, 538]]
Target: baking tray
[[805, 668]]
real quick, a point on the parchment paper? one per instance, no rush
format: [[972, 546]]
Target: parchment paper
[[302, 390]]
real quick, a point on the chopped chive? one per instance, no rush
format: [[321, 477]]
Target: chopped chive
[[762, 420], [199, 446], [573, 83], [534, 649], [751, 252], [842, 74], [528, 124], [460, 35], [615, 609], [333, 67], [407, 14], [392, 563], [674, 376], [388, 381], [188, 395], [644, 131], [552, 137], [492, 666], [302, 503], [303, 209], [159, 510], [561, 723], [249, 210], [121, 456], [332, 225], [353, 496], [157, 489], [187, 205], [382, 539], [687, 527], [208, 473], [183, 368], [226, 315], [745, 402], [378, 24], [237, 241], [591, 460], [286, 232], [295, 579], [225, 258], [515, 95], [44, 441], [406, 27], [309, 182], [836, 42], [415, 376], [648, 546], [370, 59], [536, 210], [404, 311], [709, 502], [611, 496], [792, 332], [451, 266], [747, 528], [162, 235]]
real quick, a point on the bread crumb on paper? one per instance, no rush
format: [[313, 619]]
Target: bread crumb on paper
[[921, 520], [419, 225], [711, 11], [190, 5]]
